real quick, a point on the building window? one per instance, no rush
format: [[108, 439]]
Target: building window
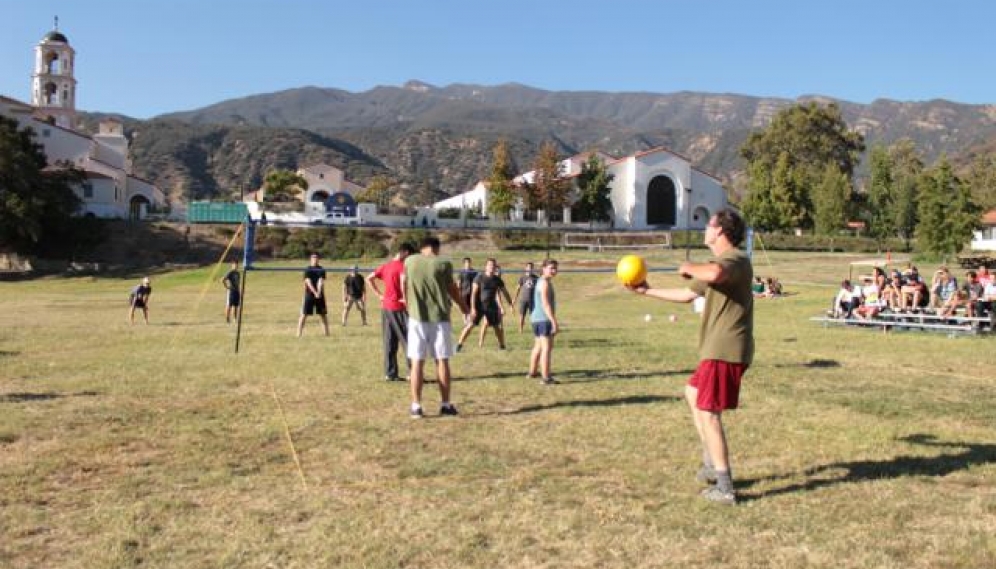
[[46, 133], [87, 191]]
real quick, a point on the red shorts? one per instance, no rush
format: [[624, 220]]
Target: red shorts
[[718, 383]]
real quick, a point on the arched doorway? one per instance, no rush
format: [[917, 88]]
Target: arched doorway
[[138, 206], [341, 203], [662, 202], [319, 196]]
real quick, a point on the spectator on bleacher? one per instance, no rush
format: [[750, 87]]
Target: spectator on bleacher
[[988, 303], [891, 294], [871, 291], [848, 299], [942, 288], [914, 293], [973, 293], [985, 278]]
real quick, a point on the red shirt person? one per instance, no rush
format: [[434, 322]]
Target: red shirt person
[[393, 314]]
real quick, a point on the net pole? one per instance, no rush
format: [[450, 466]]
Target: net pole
[[249, 237]]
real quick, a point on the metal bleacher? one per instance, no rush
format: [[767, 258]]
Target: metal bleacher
[[888, 321]]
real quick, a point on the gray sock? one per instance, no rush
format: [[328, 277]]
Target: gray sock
[[724, 481]]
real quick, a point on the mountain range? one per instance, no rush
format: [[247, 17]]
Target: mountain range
[[438, 141]]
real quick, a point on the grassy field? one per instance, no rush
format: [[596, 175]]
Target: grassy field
[[157, 446]]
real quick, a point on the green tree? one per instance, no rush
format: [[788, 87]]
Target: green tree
[[830, 201], [758, 206], [804, 139], [881, 196], [548, 190], [378, 191], [501, 191], [947, 214], [35, 201], [982, 181], [907, 170], [594, 190], [283, 185]]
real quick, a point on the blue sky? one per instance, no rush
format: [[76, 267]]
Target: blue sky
[[148, 57]]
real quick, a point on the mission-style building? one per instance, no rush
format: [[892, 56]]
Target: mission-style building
[[111, 190]]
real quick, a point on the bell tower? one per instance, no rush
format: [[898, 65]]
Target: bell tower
[[53, 86]]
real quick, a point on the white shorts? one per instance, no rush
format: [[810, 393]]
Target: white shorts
[[429, 340]]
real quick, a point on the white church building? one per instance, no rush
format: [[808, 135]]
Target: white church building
[[654, 189], [111, 189]]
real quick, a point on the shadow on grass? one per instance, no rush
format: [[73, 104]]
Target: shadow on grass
[[898, 467], [632, 400], [813, 364], [591, 343], [29, 397], [582, 375], [8, 353]]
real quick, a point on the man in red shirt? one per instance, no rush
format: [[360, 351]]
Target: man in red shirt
[[393, 316]]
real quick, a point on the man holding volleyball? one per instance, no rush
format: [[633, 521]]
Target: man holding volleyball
[[726, 342]]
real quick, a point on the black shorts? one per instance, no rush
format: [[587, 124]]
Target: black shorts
[[525, 307], [314, 305], [492, 315], [234, 298]]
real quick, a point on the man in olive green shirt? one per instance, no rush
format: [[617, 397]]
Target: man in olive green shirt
[[726, 342], [429, 290]]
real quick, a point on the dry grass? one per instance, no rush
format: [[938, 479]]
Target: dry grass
[[157, 446]]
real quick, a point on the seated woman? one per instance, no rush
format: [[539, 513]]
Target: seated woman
[[873, 302], [757, 287], [847, 300]]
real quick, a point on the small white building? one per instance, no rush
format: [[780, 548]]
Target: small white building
[[985, 238], [655, 189], [329, 192], [111, 189]]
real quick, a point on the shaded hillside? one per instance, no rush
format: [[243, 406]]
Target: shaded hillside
[[437, 141], [193, 162]]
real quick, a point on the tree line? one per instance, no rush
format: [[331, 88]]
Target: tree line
[[800, 172]]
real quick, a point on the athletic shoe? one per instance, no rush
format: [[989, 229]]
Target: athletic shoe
[[415, 413], [549, 381], [532, 375], [448, 410], [714, 494], [706, 475]]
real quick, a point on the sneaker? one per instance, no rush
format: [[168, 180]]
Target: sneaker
[[415, 413], [549, 381], [448, 410], [532, 375], [706, 475], [714, 494]]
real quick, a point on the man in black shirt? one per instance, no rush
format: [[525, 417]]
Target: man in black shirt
[[234, 297], [354, 291], [524, 294], [466, 282], [486, 294], [314, 295]]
